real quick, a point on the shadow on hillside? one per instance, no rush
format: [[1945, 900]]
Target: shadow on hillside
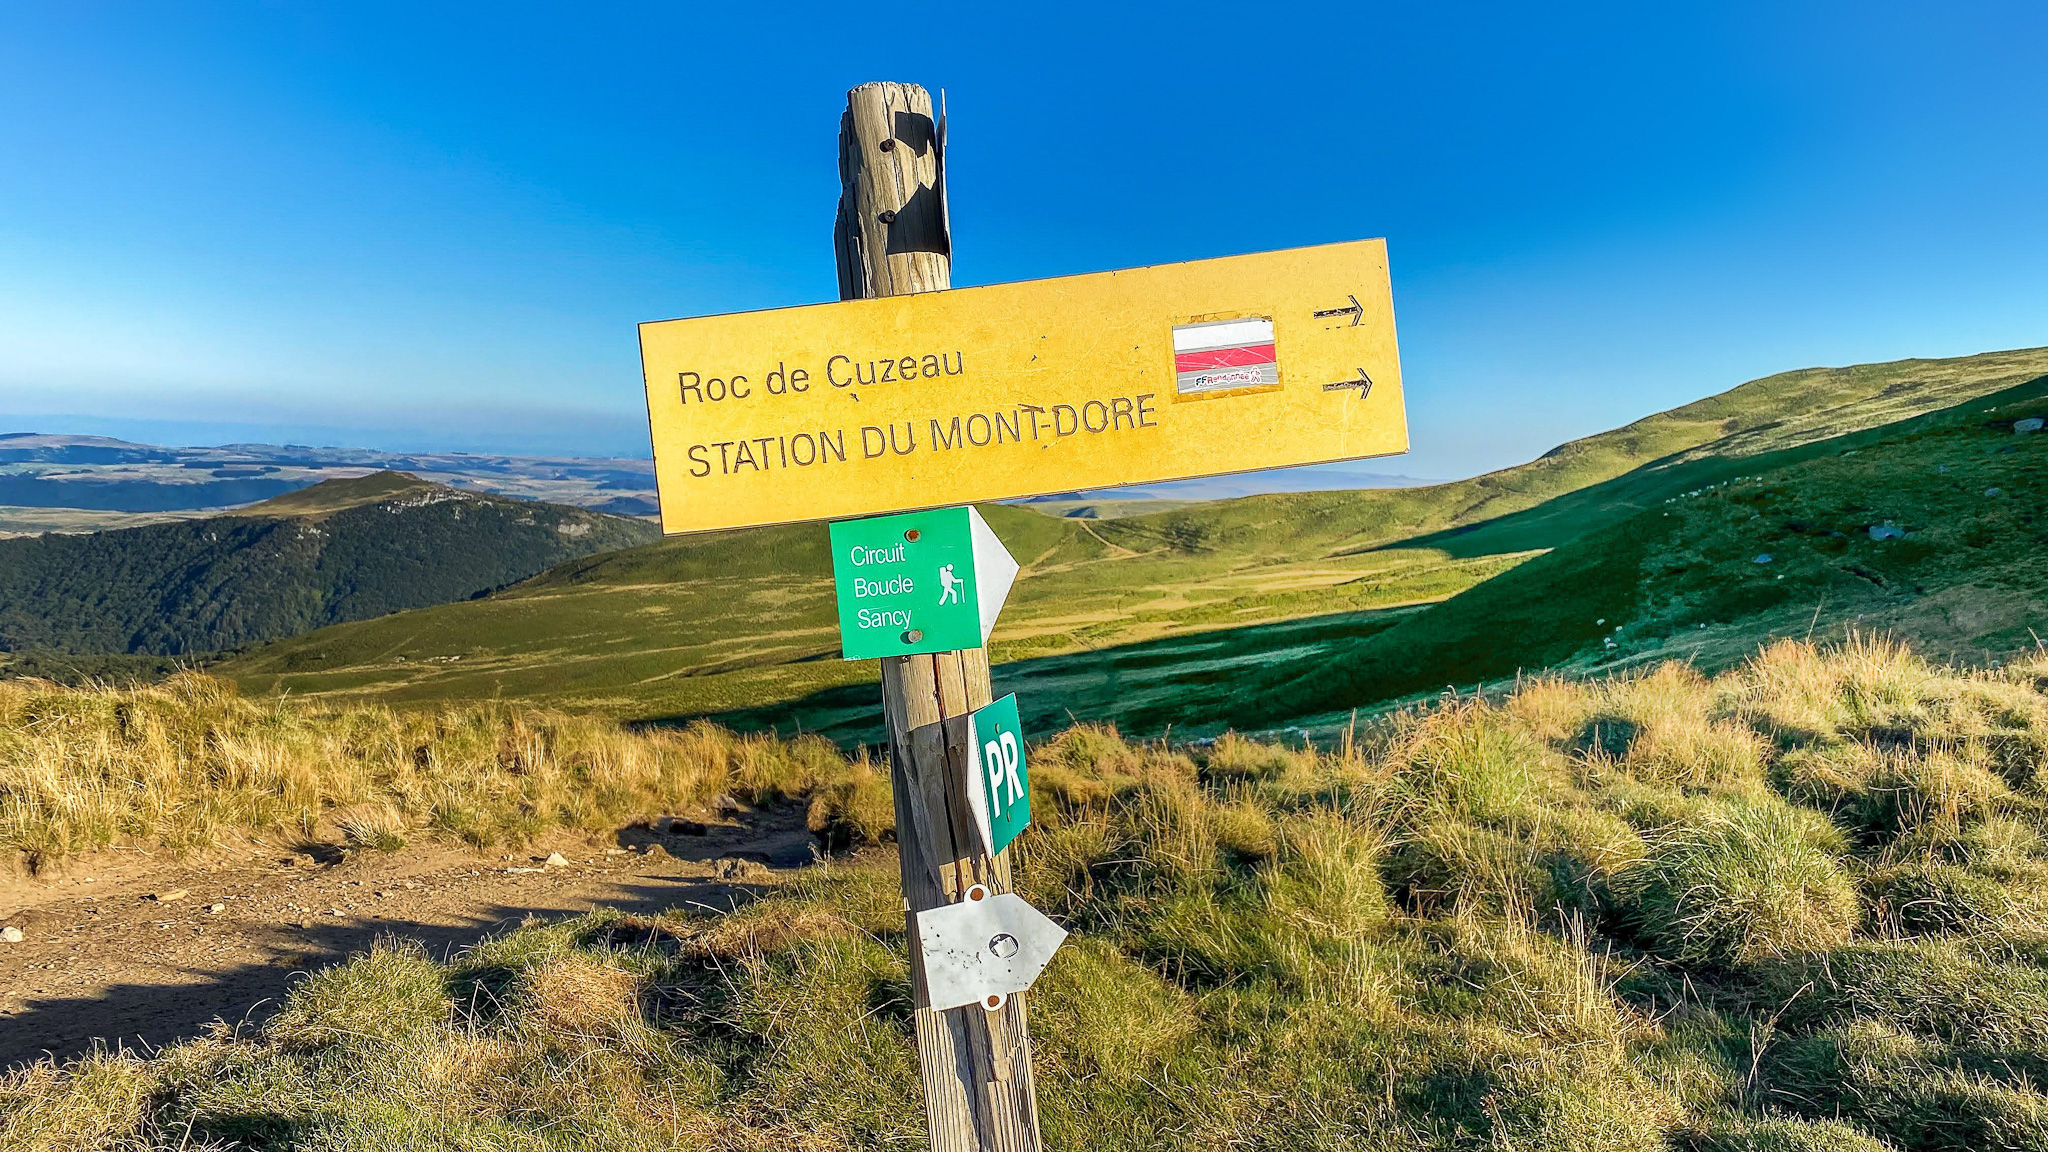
[[148, 1016], [1633, 581], [1198, 682], [1563, 518], [1104, 685]]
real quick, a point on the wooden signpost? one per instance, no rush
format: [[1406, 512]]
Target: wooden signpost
[[977, 394], [908, 396]]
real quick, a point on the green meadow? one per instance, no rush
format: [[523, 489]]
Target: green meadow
[[1258, 612], [1932, 528]]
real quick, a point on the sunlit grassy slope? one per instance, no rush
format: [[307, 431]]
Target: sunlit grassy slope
[[743, 623], [1101, 625], [1934, 528], [181, 766], [1799, 907], [331, 496]]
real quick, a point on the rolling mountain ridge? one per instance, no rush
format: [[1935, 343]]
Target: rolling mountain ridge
[[102, 474], [338, 551], [1933, 529]]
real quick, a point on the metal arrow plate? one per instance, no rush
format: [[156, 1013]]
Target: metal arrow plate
[[984, 948]]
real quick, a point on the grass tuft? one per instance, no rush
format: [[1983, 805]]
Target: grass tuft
[[1785, 1134], [386, 996], [578, 996], [1744, 881], [380, 829]]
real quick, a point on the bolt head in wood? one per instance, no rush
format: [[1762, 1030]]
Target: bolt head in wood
[[886, 216], [888, 145]]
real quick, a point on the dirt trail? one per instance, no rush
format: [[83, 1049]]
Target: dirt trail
[[104, 959]]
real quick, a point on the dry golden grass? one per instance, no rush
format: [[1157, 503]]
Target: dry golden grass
[[579, 996], [188, 763], [1795, 906]]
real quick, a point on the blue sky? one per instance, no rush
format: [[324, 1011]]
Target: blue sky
[[436, 226]]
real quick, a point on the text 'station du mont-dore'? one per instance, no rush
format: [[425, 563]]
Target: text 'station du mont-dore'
[[1017, 424]]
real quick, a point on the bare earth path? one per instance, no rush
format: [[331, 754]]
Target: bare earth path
[[104, 959]]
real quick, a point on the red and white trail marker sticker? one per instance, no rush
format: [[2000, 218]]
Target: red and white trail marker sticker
[[1225, 355]]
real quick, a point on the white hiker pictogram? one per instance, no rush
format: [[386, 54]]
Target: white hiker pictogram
[[950, 592]]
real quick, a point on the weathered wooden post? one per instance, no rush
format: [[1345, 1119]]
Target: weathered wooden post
[[892, 240]]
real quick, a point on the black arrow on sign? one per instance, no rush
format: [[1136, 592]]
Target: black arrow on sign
[[1356, 312], [1363, 384]]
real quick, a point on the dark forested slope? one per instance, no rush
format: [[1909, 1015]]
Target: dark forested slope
[[339, 551]]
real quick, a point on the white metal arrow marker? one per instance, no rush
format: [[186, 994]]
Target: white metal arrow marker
[[994, 570], [984, 948]]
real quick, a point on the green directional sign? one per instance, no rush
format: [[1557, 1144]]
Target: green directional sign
[[997, 785], [918, 582]]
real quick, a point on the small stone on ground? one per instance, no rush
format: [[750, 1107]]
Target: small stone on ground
[[739, 868]]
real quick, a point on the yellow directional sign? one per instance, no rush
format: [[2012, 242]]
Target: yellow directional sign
[[1045, 386]]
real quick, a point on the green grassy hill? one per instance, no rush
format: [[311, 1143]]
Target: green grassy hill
[[1151, 617], [341, 550], [1594, 481], [333, 496], [1934, 528]]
